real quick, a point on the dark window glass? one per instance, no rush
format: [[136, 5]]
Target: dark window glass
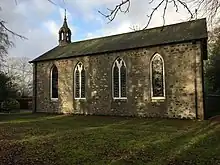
[[54, 82], [123, 80], [77, 86], [83, 83], [116, 80]]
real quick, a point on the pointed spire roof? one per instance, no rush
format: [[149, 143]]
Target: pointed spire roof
[[65, 27]]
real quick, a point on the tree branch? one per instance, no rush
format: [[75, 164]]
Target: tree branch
[[152, 13], [2, 24], [113, 12], [211, 6]]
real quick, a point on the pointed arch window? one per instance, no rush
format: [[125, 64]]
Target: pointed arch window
[[79, 81], [119, 79], [61, 35], [157, 77], [54, 83]]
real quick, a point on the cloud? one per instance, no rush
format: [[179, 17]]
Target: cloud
[[62, 12], [137, 16], [37, 43], [52, 27], [39, 21], [30, 19]]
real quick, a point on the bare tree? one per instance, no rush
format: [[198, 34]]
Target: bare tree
[[6, 30], [5, 42], [208, 8], [20, 71]]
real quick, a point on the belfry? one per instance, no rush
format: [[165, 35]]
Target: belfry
[[64, 33]]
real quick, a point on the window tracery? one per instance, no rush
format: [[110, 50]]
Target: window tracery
[[157, 77], [119, 79], [79, 81]]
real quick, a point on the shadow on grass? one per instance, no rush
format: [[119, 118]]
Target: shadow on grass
[[192, 147], [107, 144], [203, 148], [25, 117], [59, 125], [60, 139]]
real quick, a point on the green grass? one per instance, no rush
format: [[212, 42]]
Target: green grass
[[43, 139]]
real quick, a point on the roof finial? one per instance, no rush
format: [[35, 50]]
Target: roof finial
[[65, 15], [196, 12]]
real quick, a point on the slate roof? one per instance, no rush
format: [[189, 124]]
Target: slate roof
[[175, 33]]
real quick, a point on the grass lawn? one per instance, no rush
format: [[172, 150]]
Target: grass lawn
[[42, 139]]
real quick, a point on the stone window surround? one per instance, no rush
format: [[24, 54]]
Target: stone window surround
[[118, 98], [51, 81], [80, 83], [157, 98]]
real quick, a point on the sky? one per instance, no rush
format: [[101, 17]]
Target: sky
[[39, 21]]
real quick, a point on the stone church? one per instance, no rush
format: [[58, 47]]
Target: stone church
[[156, 72]]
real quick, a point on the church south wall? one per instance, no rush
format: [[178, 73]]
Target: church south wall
[[183, 90]]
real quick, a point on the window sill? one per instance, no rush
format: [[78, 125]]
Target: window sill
[[158, 99], [120, 98], [80, 98], [54, 99]]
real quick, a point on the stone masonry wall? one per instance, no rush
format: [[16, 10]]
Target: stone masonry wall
[[183, 82]]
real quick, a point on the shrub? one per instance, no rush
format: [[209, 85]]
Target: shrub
[[7, 87], [10, 104]]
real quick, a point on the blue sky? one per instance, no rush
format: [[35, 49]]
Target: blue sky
[[39, 21]]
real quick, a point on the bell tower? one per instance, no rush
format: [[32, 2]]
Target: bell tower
[[64, 33]]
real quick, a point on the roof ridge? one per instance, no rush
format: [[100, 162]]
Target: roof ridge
[[153, 28], [184, 32]]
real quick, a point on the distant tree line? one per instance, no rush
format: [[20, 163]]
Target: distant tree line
[[212, 65]]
